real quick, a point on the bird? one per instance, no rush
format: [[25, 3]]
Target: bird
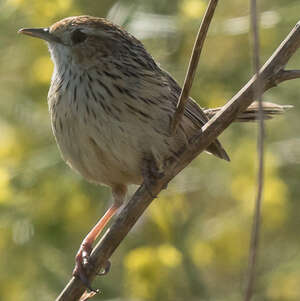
[[111, 106]]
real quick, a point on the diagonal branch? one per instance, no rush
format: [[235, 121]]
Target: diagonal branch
[[270, 74], [188, 81]]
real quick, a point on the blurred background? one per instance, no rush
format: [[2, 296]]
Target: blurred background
[[192, 243]]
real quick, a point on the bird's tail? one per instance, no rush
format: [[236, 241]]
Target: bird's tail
[[251, 114]]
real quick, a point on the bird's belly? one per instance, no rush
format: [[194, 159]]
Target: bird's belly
[[108, 144], [97, 152]]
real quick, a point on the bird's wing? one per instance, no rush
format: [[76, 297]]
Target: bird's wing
[[198, 117]]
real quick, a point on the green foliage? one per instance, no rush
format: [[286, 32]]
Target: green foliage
[[192, 244]]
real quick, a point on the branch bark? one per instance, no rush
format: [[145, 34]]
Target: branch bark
[[271, 74]]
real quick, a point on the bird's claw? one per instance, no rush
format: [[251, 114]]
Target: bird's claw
[[81, 264], [105, 268]]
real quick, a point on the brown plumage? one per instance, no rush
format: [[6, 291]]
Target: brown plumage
[[111, 106]]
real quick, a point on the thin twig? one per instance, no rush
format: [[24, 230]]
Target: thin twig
[[291, 74], [253, 252], [190, 75], [270, 74]]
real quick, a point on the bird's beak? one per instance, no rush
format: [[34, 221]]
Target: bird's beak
[[41, 33]]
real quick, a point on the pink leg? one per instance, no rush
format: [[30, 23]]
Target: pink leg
[[85, 249]]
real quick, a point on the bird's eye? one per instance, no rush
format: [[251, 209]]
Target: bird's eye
[[78, 36]]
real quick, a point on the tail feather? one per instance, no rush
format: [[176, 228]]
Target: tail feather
[[217, 149], [251, 114]]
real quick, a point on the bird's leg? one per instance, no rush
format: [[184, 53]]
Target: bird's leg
[[83, 254]]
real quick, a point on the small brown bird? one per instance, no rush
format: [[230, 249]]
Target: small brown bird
[[111, 106]]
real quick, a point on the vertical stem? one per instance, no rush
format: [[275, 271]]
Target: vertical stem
[[190, 75], [253, 253]]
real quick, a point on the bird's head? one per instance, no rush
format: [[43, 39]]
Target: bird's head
[[82, 39]]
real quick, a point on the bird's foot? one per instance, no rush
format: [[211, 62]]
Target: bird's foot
[[82, 264], [105, 268]]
